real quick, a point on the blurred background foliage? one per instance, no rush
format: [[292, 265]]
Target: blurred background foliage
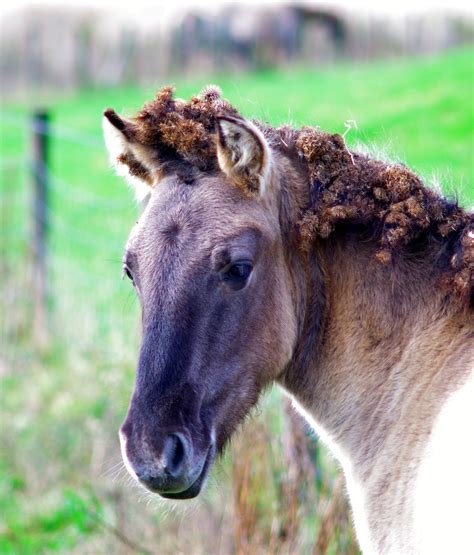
[[62, 484]]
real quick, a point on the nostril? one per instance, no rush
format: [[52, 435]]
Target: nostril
[[174, 454]]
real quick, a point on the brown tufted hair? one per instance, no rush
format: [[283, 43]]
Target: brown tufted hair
[[345, 188]]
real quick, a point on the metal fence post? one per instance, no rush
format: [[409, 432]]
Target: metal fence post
[[40, 137]]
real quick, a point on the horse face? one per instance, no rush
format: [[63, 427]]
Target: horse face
[[207, 260]]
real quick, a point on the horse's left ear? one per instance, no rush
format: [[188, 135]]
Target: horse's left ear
[[243, 153], [131, 159]]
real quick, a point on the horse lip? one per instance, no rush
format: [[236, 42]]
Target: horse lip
[[195, 488]]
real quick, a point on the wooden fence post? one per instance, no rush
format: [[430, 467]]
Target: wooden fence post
[[40, 137]]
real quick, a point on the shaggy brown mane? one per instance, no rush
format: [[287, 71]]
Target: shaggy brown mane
[[183, 129], [348, 187], [344, 187]]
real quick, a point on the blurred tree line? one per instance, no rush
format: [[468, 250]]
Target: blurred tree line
[[61, 48]]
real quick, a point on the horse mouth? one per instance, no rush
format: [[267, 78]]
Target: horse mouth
[[195, 488]]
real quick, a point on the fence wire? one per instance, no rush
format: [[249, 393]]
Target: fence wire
[[73, 193], [53, 130], [83, 264]]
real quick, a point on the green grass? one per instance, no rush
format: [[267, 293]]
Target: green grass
[[421, 110], [60, 407]]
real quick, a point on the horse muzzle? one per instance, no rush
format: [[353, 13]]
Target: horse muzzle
[[177, 471]]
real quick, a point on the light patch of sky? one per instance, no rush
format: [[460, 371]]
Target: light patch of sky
[[151, 14]]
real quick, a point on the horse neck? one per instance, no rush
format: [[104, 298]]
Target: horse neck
[[375, 349]]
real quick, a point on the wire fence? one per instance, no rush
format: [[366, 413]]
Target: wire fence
[[89, 199], [84, 228], [52, 130]]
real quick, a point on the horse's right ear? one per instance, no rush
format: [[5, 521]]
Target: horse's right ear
[[130, 159], [243, 154]]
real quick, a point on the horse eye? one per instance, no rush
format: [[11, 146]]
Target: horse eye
[[237, 274], [126, 272], [240, 271]]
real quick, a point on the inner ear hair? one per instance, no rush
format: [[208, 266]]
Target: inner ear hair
[[242, 151]]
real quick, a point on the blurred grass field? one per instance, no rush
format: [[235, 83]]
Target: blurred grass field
[[60, 407]]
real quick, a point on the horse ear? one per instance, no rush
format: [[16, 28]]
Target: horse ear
[[243, 153], [130, 159]]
